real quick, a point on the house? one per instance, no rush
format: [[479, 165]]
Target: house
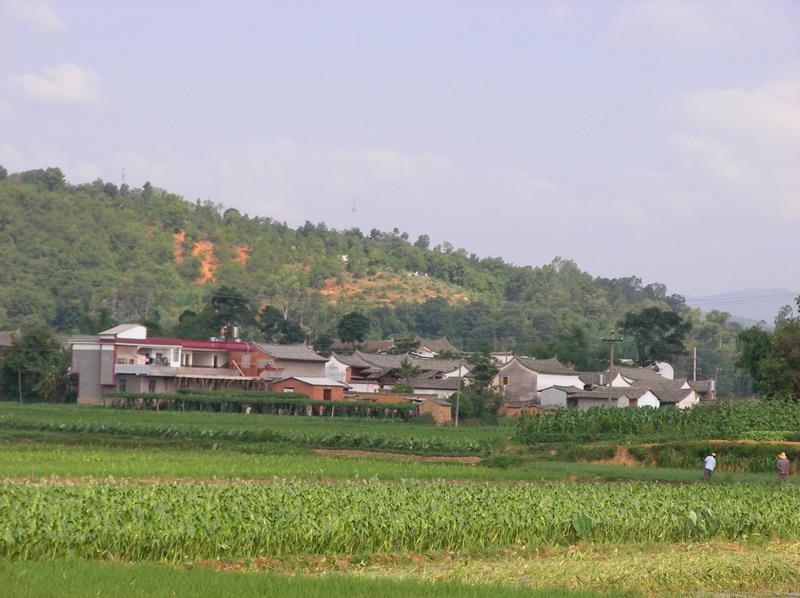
[[706, 389], [125, 359], [608, 396], [428, 347], [316, 389], [522, 377], [681, 398], [293, 360], [371, 372], [442, 388]]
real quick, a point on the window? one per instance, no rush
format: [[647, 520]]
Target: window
[[505, 380], [151, 385], [327, 394], [121, 385], [288, 389], [245, 361]]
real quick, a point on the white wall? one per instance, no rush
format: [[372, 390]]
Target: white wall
[[620, 382], [336, 370], [689, 401], [648, 399], [665, 370]]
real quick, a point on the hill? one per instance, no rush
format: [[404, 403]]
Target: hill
[[83, 256], [748, 306]]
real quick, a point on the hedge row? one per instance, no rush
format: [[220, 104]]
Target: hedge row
[[366, 441], [265, 403]]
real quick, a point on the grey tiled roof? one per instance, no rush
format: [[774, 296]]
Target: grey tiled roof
[[547, 366], [435, 384], [299, 352]]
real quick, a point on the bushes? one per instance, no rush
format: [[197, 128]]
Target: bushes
[[263, 402]]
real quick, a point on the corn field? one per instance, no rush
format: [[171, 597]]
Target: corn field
[[175, 522], [724, 420]]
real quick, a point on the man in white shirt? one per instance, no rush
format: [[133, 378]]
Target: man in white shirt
[[709, 464]]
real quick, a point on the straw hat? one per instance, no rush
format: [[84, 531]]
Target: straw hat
[[782, 456], [713, 454]]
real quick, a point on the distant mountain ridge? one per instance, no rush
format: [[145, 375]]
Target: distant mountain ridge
[[748, 306]]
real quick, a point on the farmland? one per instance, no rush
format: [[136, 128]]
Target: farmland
[[352, 506]]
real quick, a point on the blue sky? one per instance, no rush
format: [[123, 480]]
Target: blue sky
[[652, 138]]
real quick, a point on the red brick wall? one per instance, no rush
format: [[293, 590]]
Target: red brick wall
[[315, 393]]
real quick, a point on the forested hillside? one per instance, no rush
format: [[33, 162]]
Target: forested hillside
[[80, 257]]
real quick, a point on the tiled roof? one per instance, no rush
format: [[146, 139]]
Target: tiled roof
[[673, 396], [547, 366], [435, 384], [299, 352], [438, 345], [315, 381]]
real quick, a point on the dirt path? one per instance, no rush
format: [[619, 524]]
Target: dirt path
[[398, 456]]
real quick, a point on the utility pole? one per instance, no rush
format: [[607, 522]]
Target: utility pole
[[694, 363], [19, 383], [613, 340], [458, 394]]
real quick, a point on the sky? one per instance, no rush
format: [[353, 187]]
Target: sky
[[659, 139]]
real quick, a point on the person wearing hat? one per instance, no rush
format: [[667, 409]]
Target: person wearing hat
[[783, 468], [709, 464]]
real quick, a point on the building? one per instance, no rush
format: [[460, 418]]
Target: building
[[442, 388], [316, 389], [125, 359]]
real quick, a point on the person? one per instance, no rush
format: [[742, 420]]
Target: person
[[709, 464], [783, 468]]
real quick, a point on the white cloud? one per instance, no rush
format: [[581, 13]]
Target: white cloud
[[65, 83], [36, 12], [746, 142]]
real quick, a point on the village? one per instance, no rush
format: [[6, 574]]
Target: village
[[123, 359]]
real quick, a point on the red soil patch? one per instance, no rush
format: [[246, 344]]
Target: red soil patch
[[208, 264], [242, 254], [177, 245]]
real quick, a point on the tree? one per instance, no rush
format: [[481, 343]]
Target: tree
[[36, 366], [405, 343], [269, 321], [423, 242], [408, 371], [658, 333], [323, 344], [3, 172], [277, 329], [230, 309], [754, 346], [483, 369], [353, 328]]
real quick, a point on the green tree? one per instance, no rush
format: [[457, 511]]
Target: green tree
[[405, 343], [408, 371], [231, 309], [754, 346], [36, 366], [353, 328], [323, 345], [270, 320], [659, 334]]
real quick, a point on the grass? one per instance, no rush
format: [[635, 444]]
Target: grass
[[76, 578], [686, 569], [44, 455]]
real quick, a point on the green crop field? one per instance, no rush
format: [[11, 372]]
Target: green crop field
[[129, 502], [208, 521], [303, 431]]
